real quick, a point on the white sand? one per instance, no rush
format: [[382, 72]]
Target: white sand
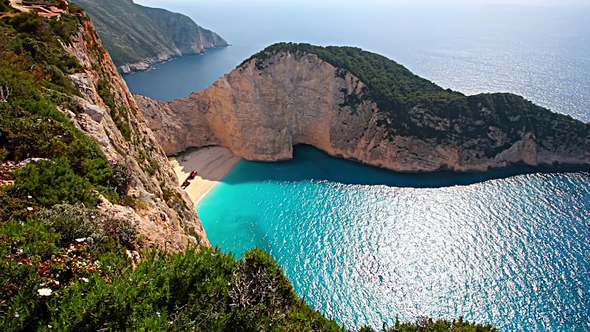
[[212, 164]]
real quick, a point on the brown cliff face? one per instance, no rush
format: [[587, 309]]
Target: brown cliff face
[[163, 214], [261, 112]]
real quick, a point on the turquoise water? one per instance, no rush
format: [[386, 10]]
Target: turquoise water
[[365, 245]]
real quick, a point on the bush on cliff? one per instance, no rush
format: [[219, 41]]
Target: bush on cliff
[[33, 68], [195, 290], [4, 6]]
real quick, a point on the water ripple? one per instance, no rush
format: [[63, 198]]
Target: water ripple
[[513, 252]]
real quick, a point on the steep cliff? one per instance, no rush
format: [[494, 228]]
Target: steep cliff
[[138, 36], [57, 72], [108, 113], [362, 106]]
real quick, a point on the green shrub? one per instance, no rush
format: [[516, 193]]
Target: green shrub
[[54, 182], [35, 128], [4, 6], [29, 23], [260, 293], [430, 325], [172, 197], [188, 291], [119, 114], [76, 221], [23, 245], [122, 122], [66, 27], [119, 179], [136, 204]]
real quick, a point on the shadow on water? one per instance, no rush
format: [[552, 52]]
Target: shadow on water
[[311, 164]]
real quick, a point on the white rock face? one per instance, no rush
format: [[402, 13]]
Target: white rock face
[[261, 113], [161, 212]]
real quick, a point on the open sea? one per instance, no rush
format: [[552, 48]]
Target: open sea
[[364, 245]]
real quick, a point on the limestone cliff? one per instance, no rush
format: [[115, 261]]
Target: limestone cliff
[[285, 96], [138, 37], [107, 112]]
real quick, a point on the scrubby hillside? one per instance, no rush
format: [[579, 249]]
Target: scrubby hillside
[[138, 36]]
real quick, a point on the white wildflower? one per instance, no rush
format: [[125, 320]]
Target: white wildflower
[[29, 208], [85, 279], [82, 239], [44, 291]]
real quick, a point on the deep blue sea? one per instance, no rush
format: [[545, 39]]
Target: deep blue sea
[[365, 245]]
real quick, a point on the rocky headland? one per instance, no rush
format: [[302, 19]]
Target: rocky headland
[[361, 106], [137, 37]]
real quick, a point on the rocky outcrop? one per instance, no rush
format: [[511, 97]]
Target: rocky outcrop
[[161, 212], [138, 37], [265, 107]]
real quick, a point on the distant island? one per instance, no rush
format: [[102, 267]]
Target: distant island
[[362, 106], [138, 37]]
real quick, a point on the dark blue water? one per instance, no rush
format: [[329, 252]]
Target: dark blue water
[[365, 245]]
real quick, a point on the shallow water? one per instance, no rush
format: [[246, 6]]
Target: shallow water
[[513, 252]]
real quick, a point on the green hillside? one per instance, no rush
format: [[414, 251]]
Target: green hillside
[[132, 33]]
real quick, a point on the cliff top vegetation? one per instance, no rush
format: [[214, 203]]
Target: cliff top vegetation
[[150, 33], [415, 106]]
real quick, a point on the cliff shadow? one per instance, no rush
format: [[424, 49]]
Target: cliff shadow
[[310, 164]]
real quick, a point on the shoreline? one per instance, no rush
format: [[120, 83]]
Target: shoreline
[[148, 64], [212, 164]]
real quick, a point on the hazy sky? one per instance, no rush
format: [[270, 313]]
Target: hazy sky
[[369, 2]]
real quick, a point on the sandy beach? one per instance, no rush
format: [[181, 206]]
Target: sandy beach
[[212, 164]]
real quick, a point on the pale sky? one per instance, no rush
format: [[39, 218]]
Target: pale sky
[[557, 3]]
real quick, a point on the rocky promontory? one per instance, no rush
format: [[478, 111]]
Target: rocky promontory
[[361, 106], [138, 37]]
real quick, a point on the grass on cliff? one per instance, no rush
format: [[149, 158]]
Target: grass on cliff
[[414, 106], [33, 75]]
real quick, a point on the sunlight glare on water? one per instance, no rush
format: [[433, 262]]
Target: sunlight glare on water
[[512, 252]]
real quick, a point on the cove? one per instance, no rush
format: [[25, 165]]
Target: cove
[[365, 245]]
